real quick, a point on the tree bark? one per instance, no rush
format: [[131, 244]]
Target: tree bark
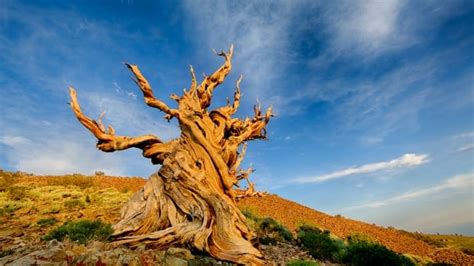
[[191, 200]]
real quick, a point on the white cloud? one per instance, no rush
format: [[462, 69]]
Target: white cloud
[[60, 155], [367, 26], [406, 160], [13, 140], [462, 181]]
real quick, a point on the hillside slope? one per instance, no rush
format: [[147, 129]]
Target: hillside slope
[[72, 197], [292, 214]]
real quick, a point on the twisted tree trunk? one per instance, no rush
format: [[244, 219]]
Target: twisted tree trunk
[[191, 200]]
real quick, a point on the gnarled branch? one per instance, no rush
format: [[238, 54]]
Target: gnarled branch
[[107, 141], [150, 99], [209, 83]]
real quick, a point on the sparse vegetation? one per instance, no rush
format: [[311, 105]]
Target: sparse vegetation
[[437, 242], [273, 232], [8, 179], [302, 263], [81, 231], [47, 222], [320, 244], [269, 231], [358, 237], [17, 193], [8, 209], [79, 180], [74, 203]]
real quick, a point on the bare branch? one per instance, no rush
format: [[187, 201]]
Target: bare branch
[[193, 87], [209, 83], [148, 92], [107, 141], [236, 103]]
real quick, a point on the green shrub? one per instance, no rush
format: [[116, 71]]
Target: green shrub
[[17, 193], [73, 203], [366, 253], [301, 263], [270, 231], [46, 222], [249, 214], [9, 209], [358, 237], [81, 231], [320, 244]]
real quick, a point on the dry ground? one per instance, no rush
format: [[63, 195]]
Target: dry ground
[[74, 197]]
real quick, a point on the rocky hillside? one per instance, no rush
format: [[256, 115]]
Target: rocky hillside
[[31, 206]]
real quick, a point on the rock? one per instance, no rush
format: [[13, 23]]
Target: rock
[[180, 253], [54, 244], [52, 256]]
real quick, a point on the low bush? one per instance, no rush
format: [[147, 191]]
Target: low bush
[[272, 229], [47, 222], [17, 193], [250, 214], [361, 252], [99, 173], [81, 231], [358, 237], [320, 244], [9, 209], [74, 203], [268, 230], [301, 263]]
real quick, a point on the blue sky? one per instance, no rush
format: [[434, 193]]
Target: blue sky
[[374, 99]]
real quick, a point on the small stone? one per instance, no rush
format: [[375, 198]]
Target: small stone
[[54, 243]]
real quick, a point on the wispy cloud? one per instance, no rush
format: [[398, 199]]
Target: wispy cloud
[[464, 135], [406, 160], [13, 140], [367, 27], [463, 181], [58, 155], [466, 148]]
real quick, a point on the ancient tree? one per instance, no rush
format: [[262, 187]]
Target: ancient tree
[[190, 201]]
